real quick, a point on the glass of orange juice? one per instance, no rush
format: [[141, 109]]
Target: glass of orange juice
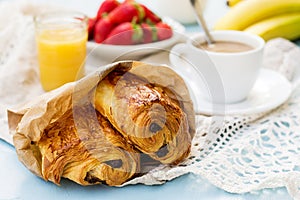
[[61, 43]]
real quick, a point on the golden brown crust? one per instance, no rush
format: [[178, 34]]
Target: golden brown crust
[[83, 147], [145, 115]]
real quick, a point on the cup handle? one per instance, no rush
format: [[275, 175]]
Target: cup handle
[[177, 53], [199, 72], [182, 59]]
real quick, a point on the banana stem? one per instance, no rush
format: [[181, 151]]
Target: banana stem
[[232, 3]]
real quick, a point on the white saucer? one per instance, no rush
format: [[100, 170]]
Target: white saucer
[[270, 90]]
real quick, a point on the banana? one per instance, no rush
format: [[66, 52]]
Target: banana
[[232, 3], [286, 26], [249, 12]]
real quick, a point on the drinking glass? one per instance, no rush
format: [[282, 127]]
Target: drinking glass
[[61, 44]]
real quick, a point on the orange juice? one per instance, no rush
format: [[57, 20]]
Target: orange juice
[[61, 53]]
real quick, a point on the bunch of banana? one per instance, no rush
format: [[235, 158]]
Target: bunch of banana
[[266, 18]]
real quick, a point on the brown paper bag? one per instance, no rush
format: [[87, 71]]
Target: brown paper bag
[[28, 121]]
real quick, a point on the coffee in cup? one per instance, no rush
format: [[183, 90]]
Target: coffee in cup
[[218, 74], [225, 47]]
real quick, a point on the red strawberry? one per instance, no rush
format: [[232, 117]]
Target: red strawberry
[[102, 28], [150, 17], [164, 31], [127, 12], [149, 33], [91, 27], [125, 34], [106, 7]]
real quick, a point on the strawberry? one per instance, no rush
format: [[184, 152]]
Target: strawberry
[[125, 34], [127, 12], [106, 7], [102, 28], [149, 33], [150, 17], [164, 31], [153, 33], [91, 27]]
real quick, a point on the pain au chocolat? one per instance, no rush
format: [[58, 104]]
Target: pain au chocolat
[[135, 117]]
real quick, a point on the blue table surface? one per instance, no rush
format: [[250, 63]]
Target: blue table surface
[[16, 182]]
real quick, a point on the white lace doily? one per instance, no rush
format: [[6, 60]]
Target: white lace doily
[[238, 153]]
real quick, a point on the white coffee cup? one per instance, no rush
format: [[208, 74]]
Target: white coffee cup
[[220, 77]]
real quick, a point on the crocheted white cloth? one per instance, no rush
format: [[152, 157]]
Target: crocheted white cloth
[[236, 153]]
